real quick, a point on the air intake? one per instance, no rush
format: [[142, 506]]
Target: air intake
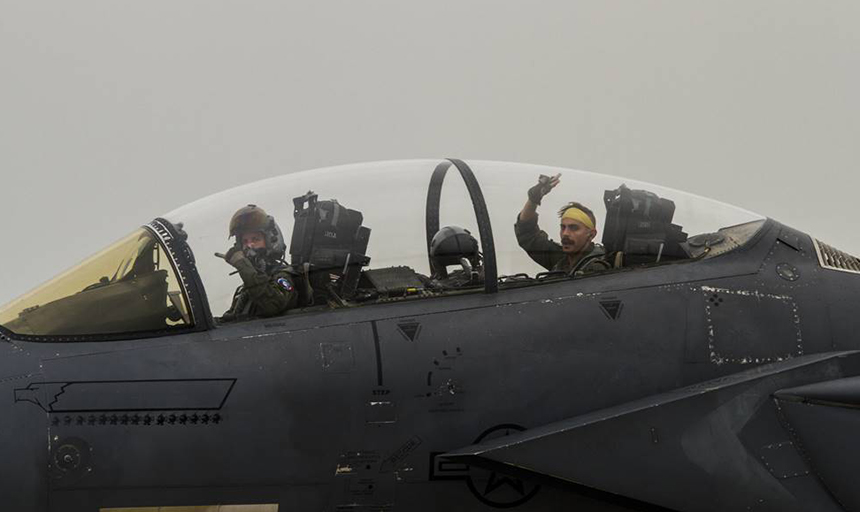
[[835, 259]]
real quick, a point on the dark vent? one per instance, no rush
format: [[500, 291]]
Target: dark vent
[[835, 259]]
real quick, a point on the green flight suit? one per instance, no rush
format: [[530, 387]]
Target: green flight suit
[[551, 256], [262, 294]]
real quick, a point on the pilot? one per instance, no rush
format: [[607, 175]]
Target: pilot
[[267, 285], [576, 253], [453, 245]]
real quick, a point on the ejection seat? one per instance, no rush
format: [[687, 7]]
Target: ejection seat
[[639, 229]]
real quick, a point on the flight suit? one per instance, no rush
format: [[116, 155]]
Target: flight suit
[[551, 256], [262, 294]]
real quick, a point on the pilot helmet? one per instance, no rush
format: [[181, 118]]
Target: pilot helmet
[[451, 244], [251, 219]]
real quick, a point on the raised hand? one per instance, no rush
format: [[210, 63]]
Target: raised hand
[[544, 185]]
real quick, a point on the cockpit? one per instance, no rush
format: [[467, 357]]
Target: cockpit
[[361, 235]]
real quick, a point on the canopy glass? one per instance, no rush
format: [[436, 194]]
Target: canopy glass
[[132, 286]]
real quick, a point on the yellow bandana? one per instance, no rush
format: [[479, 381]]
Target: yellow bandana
[[576, 214]]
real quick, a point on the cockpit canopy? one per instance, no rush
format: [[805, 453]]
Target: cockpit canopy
[[130, 287], [151, 281]]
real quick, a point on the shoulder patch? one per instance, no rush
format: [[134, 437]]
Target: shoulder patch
[[285, 284]]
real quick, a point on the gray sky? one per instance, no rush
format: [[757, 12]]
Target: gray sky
[[114, 112]]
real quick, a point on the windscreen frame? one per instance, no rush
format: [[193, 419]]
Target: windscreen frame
[[184, 263]]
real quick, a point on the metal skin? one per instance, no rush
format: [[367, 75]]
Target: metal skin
[[677, 387]]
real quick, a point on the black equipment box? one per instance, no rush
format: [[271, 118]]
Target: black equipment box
[[328, 242], [639, 223], [392, 279]]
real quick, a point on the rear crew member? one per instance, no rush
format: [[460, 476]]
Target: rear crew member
[[578, 227], [267, 285], [453, 245]]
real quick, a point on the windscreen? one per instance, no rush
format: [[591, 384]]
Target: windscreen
[[391, 198], [129, 287]]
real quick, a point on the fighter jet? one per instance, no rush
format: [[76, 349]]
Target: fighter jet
[[713, 365]]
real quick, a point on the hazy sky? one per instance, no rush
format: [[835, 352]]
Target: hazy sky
[[114, 112]]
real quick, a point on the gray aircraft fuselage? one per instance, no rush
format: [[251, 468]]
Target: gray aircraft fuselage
[[650, 389]]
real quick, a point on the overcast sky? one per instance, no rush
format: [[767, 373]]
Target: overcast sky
[[115, 112]]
